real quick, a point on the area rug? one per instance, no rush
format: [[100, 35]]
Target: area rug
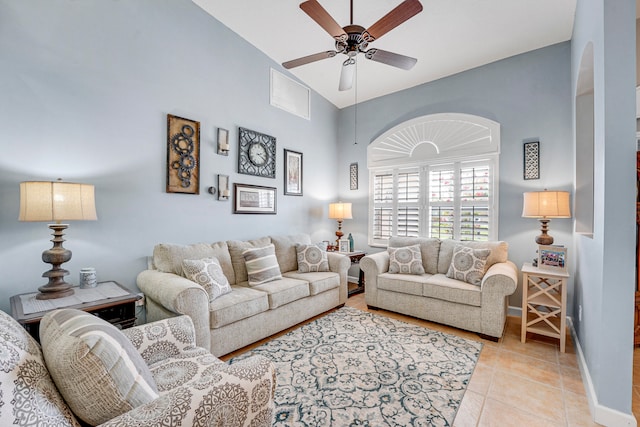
[[354, 368]]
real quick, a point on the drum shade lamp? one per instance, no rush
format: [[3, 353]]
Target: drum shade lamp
[[340, 211], [546, 205]]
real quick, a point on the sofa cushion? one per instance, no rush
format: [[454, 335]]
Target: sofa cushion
[[467, 264], [208, 274], [404, 283], [240, 303], [286, 250], [284, 291], [168, 257], [311, 259], [405, 260], [318, 282], [236, 247], [499, 252], [96, 368], [262, 265], [429, 250], [26, 388], [441, 287]]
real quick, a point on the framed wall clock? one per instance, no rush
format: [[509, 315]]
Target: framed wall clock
[[256, 153]]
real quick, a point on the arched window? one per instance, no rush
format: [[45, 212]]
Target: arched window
[[435, 176]]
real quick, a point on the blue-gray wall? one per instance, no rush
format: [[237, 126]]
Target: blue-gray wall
[[605, 273], [529, 95], [85, 92]]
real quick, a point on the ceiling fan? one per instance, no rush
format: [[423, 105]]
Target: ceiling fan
[[354, 39]]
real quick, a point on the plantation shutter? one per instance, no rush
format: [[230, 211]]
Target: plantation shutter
[[408, 204], [382, 206]]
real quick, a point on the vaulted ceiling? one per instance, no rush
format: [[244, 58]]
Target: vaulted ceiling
[[447, 37]]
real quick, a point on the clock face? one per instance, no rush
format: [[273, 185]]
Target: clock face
[[256, 154]]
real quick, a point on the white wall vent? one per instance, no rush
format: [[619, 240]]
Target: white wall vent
[[290, 95]]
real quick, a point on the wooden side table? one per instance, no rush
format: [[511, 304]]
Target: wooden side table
[[113, 303], [355, 258], [544, 303]]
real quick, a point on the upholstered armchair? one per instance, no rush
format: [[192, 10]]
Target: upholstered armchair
[[81, 381]]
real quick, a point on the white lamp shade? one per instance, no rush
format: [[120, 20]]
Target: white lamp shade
[[546, 204], [340, 211], [56, 201]]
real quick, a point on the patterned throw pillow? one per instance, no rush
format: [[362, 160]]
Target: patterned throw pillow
[[207, 273], [405, 260], [97, 369], [311, 259], [467, 264], [262, 265]]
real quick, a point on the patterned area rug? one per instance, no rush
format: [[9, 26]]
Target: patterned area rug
[[353, 368]]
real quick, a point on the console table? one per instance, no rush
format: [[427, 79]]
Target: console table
[[109, 301]]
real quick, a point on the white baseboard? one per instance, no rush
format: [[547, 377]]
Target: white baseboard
[[600, 414]]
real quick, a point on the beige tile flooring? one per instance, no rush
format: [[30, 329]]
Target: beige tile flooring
[[514, 384]]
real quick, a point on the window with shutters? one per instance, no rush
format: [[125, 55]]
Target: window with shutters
[[420, 189]]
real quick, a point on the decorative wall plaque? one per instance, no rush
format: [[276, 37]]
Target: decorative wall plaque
[[353, 176], [183, 155], [531, 153]]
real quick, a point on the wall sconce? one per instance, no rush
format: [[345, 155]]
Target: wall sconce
[[223, 142], [545, 205], [223, 187]]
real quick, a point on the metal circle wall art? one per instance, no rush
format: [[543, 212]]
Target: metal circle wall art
[[183, 154]]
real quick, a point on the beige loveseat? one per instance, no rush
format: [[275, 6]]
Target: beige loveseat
[[248, 313], [433, 296]]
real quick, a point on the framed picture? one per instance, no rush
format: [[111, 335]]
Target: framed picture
[[353, 176], [343, 245], [223, 187], [552, 258], [531, 158], [183, 155], [292, 173], [223, 142], [254, 199]]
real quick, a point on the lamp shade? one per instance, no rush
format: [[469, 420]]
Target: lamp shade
[[340, 211], [56, 201], [546, 204]]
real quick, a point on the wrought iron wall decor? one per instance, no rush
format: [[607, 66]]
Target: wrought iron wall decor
[[183, 155], [353, 176], [256, 153], [531, 154]]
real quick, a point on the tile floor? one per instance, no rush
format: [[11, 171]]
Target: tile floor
[[514, 384]]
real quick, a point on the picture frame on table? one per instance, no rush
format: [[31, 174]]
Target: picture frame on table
[[553, 258], [343, 245], [292, 173], [254, 199]]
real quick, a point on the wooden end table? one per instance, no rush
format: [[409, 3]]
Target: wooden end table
[[119, 309], [355, 258]]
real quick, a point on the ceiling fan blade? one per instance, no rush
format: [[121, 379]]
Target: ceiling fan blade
[[390, 58], [391, 20], [308, 59], [347, 74], [322, 17]]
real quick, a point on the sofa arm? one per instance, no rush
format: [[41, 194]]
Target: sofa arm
[[340, 264], [241, 394], [163, 338], [501, 278], [373, 265], [180, 296]]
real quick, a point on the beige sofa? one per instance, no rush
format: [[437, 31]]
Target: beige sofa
[[248, 313], [435, 297]]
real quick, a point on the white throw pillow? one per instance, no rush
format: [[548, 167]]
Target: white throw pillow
[[405, 260], [311, 259], [262, 265], [207, 273], [467, 264]]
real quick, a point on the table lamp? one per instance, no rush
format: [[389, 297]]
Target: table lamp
[[56, 201], [339, 211], [546, 205]]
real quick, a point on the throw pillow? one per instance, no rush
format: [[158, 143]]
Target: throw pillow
[[405, 260], [311, 259], [467, 264], [96, 368], [207, 273], [262, 265]]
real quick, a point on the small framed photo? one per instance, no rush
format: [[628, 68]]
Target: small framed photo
[[254, 199], [343, 245], [552, 258], [292, 173], [223, 142]]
